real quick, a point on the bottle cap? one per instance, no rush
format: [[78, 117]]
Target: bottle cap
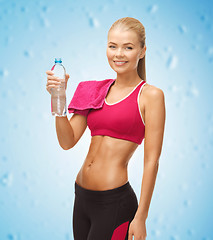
[[58, 60]]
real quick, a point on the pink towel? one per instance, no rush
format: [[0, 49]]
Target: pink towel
[[89, 94]]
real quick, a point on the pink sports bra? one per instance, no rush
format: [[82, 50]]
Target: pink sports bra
[[121, 119]]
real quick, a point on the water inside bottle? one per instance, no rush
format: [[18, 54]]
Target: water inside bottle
[[58, 100]]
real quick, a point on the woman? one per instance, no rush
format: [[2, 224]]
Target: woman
[[106, 206]]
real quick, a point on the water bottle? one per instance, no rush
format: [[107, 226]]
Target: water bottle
[[58, 95]]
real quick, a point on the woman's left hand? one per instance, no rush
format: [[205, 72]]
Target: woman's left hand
[[137, 228]]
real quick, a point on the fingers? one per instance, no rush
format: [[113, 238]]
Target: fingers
[[67, 77], [52, 81], [48, 72]]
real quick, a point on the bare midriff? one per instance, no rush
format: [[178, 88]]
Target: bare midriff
[[105, 166]]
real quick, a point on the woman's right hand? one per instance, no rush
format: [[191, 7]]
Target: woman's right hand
[[53, 81]]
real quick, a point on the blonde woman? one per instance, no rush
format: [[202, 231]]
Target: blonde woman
[[120, 114]]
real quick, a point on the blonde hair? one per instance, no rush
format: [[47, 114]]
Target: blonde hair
[[129, 23]]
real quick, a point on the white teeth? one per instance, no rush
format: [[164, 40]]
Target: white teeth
[[120, 63]]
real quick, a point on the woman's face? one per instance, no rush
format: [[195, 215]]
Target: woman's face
[[123, 50]]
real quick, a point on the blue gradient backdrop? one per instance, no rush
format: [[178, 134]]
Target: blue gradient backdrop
[[37, 176]]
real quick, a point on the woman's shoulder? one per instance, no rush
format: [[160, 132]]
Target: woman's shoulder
[[152, 92]]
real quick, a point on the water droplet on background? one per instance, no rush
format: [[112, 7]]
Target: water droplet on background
[[153, 8], [187, 203], [45, 22], [172, 62], [28, 53], [45, 9], [190, 232], [4, 73], [23, 9], [173, 238], [182, 29], [12, 236], [4, 158], [7, 179], [93, 22]]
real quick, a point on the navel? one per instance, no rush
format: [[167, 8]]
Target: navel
[[90, 164]]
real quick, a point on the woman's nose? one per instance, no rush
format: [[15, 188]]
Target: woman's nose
[[119, 52]]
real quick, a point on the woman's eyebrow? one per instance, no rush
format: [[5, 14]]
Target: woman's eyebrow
[[123, 44]]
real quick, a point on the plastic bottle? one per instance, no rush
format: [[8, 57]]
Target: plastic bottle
[[58, 95]]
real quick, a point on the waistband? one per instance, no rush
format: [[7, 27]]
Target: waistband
[[102, 195]]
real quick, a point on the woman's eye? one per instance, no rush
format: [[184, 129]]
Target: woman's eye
[[114, 47]]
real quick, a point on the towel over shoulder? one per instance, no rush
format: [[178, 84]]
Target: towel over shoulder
[[89, 94]]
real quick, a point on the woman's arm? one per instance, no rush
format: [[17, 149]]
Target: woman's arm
[[154, 131], [70, 131]]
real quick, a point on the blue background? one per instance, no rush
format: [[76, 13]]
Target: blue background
[[37, 176]]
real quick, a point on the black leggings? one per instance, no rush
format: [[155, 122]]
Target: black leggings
[[103, 215]]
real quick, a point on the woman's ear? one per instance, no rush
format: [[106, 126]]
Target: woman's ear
[[143, 52]]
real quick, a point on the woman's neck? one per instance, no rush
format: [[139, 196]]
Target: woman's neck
[[127, 80]]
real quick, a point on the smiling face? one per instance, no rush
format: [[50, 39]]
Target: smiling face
[[124, 50]]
